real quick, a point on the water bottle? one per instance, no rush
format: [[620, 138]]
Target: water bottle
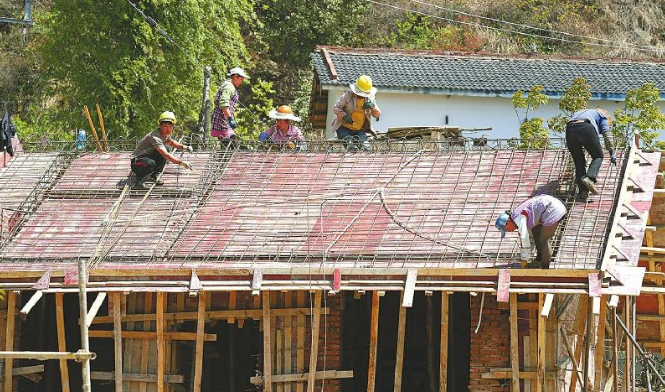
[[80, 139]]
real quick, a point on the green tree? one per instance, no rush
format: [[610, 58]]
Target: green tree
[[575, 98], [532, 133], [107, 52], [640, 114]]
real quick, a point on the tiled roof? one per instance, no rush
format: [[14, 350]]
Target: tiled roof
[[485, 75]]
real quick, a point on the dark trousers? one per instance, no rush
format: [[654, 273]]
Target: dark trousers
[[542, 236], [152, 164], [353, 140], [580, 137]]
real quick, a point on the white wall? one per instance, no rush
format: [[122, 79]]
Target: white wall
[[402, 109]]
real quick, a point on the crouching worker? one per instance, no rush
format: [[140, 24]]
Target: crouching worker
[[540, 215], [283, 133], [150, 155], [353, 113]]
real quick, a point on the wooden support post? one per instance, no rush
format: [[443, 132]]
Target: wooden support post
[[288, 344], [314, 351], [409, 288], [547, 306], [655, 267], [514, 344], [629, 350], [117, 341], [540, 385], [443, 357], [9, 339], [373, 342], [232, 306], [615, 343], [587, 346], [200, 330], [101, 125], [62, 343], [31, 303], [600, 345], [399, 355], [144, 355], [160, 342], [94, 308], [300, 339], [267, 346]]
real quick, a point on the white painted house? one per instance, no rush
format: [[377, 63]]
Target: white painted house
[[466, 90]]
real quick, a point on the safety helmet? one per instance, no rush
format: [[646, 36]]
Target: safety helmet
[[167, 117], [283, 112], [501, 223], [363, 86]]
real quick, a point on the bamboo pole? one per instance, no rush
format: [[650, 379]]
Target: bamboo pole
[[373, 342], [641, 351], [83, 315], [399, 354], [267, 346], [101, 125], [160, 342], [62, 343], [514, 344], [92, 126], [443, 362], [46, 355], [9, 340], [200, 329], [600, 345], [540, 385], [117, 341], [615, 343], [314, 351]]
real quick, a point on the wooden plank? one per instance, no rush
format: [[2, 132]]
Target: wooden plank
[[210, 315], [9, 339], [443, 361], [300, 339], [232, 305], [200, 331], [160, 341], [547, 306], [409, 287], [145, 345], [299, 377], [540, 385], [595, 285], [149, 335], [267, 346], [117, 341], [62, 343], [373, 342], [507, 374], [288, 344], [279, 355], [503, 286], [31, 303], [600, 345], [257, 281], [94, 308], [194, 282], [142, 378], [43, 282], [514, 344], [399, 354], [337, 280], [314, 351]]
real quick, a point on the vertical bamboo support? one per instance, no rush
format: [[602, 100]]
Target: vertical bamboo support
[[399, 354], [300, 339], [62, 342], [514, 344], [200, 330], [9, 340], [314, 351], [373, 342], [443, 362], [600, 345], [160, 341], [288, 332], [587, 346], [629, 350], [267, 346], [117, 340], [144, 356], [615, 343], [540, 385]]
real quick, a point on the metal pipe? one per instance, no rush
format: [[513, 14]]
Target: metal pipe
[[46, 355]]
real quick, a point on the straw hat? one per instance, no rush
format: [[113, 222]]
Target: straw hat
[[283, 112]]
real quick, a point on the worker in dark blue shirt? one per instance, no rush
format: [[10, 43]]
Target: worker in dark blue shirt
[[582, 133]]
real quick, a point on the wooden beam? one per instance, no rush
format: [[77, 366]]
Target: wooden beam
[[148, 335], [507, 374], [92, 313], [409, 287], [267, 344], [31, 303], [210, 315], [299, 377], [540, 384], [160, 342], [547, 306], [503, 286], [399, 351], [200, 331], [26, 371], [110, 376], [514, 344], [9, 340], [257, 281], [373, 342], [314, 351], [62, 343], [443, 356], [117, 340]]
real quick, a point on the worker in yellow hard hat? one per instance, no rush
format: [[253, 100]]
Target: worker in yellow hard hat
[[150, 155], [353, 113], [284, 133]]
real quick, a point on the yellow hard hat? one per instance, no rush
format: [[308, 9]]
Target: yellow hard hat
[[363, 86], [168, 117]]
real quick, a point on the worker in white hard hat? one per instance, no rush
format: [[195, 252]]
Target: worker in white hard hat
[[541, 216], [284, 133], [353, 113], [226, 99], [150, 155]]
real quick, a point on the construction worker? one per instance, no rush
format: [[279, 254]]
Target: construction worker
[[150, 155], [353, 112], [540, 215], [283, 133], [226, 99], [582, 133]]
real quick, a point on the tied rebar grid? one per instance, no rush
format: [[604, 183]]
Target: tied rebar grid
[[432, 207]]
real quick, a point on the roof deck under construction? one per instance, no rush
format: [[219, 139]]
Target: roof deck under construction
[[250, 209]]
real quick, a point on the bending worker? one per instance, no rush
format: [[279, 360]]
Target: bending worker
[[150, 155], [283, 133], [540, 215], [353, 112], [226, 99], [582, 133]]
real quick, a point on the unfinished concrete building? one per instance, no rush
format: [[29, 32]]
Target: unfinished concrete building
[[325, 270]]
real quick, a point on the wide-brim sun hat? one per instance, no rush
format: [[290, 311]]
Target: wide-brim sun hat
[[283, 112], [238, 71], [363, 87], [501, 223]]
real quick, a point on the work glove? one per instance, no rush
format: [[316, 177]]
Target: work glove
[[368, 104], [232, 123], [263, 137], [613, 158], [188, 148], [185, 165], [525, 254], [348, 119]]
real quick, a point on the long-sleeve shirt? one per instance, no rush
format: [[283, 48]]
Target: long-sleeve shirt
[[346, 105], [543, 210], [594, 117], [292, 133], [227, 96]]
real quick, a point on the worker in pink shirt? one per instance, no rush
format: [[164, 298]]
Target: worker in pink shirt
[[541, 216], [284, 133]]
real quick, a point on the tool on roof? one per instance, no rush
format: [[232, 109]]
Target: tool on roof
[[101, 125], [92, 126]]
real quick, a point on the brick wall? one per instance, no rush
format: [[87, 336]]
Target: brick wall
[[329, 341]]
